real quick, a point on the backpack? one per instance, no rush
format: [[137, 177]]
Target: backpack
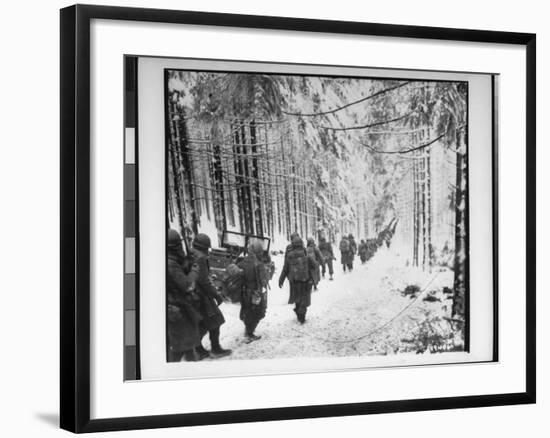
[[234, 282], [298, 267], [311, 253], [344, 245]]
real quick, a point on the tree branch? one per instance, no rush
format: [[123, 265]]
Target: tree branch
[[422, 146], [369, 125], [371, 96]]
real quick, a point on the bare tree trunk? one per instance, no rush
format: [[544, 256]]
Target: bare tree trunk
[[366, 219], [229, 183], [286, 188], [288, 203], [256, 201], [423, 209], [239, 180], [270, 202], [248, 204], [219, 195], [303, 207], [180, 208], [174, 174], [183, 162], [204, 182], [460, 266], [299, 212], [294, 198], [278, 194], [429, 206], [416, 212]]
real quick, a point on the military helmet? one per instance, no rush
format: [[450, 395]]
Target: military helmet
[[202, 241], [174, 238], [255, 247], [310, 241], [295, 238]]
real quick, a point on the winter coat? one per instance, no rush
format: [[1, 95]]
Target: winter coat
[[300, 291], [372, 246], [209, 296], [183, 315], [362, 251], [344, 245], [346, 255], [326, 250], [315, 255], [352, 247], [254, 291]]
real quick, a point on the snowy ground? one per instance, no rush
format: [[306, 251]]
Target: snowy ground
[[359, 313]]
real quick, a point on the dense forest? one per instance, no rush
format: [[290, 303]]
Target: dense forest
[[273, 154]]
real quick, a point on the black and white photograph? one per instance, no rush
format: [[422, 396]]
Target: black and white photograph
[[270, 217], [313, 216]]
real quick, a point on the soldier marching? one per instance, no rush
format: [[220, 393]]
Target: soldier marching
[[298, 268], [193, 300], [254, 290]]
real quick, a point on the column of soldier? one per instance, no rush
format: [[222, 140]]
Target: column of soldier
[[366, 249], [193, 300]]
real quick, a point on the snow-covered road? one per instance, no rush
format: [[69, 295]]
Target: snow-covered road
[[349, 316]]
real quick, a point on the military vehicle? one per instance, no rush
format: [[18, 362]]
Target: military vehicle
[[232, 249]]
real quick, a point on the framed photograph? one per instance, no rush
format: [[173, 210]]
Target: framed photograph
[[290, 218]]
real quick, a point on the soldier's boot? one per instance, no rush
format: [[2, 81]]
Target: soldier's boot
[[331, 277], [202, 353], [301, 317], [249, 333], [174, 356], [217, 351], [251, 337], [191, 355]]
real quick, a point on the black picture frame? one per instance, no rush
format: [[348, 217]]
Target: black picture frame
[[75, 213]]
